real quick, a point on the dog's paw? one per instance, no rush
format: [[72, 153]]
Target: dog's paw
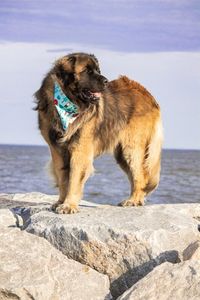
[[67, 209], [130, 203], [55, 205]]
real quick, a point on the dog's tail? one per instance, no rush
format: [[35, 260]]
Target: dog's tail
[[52, 173], [153, 156]]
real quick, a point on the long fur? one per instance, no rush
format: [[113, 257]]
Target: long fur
[[125, 120]]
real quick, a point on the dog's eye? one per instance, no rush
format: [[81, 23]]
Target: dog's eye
[[89, 71]]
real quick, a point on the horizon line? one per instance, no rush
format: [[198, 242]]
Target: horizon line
[[39, 145]]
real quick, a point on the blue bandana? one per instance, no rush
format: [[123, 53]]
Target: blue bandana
[[67, 110]]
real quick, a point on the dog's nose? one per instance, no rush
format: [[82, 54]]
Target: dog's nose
[[105, 81]]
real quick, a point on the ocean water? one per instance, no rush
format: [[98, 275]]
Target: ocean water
[[22, 169]]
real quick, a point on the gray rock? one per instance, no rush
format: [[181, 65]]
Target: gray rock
[[30, 268], [26, 200], [168, 282], [192, 251], [124, 243]]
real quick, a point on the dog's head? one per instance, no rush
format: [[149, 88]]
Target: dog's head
[[80, 73]]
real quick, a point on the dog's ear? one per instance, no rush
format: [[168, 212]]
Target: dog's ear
[[71, 58], [67, 77], [64, 69]]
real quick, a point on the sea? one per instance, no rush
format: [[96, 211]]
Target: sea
[[23, 170]]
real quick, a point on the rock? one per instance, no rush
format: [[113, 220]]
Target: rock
[[192, 251], [30, 268], [168, 281], [25, 200], [7, 219], [124, 243]]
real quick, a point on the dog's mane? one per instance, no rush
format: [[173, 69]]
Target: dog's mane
[[123, 82]]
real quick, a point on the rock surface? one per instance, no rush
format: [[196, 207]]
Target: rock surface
[[30, 268], [168, 282], [192, 251], [127, 244], [124, 243]]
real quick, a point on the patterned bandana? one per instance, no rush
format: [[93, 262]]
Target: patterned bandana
[[67, 110]]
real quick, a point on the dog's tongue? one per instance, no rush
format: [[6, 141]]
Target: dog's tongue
[[98, 95]]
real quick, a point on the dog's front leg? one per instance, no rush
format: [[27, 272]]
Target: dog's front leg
[[81, 166], [59, 169]]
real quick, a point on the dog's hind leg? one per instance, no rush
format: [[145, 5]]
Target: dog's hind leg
[[139, 156], [131, 160], [52, 172]]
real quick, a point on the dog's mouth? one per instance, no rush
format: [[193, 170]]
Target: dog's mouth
[[90, 96]]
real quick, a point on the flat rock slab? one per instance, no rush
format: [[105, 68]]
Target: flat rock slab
[[124, 243], [30, 268], [25, 200], [168, 282]]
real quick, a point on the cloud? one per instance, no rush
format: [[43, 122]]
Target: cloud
[[131, 26], [58, 50]]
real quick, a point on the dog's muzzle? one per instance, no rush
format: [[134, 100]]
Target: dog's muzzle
[[90, 96]]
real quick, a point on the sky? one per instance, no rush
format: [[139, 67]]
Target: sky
[[155, 42]]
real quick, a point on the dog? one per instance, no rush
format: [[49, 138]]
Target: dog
[[82, 115]]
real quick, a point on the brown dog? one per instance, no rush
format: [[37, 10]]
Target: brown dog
[[119, 117]]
